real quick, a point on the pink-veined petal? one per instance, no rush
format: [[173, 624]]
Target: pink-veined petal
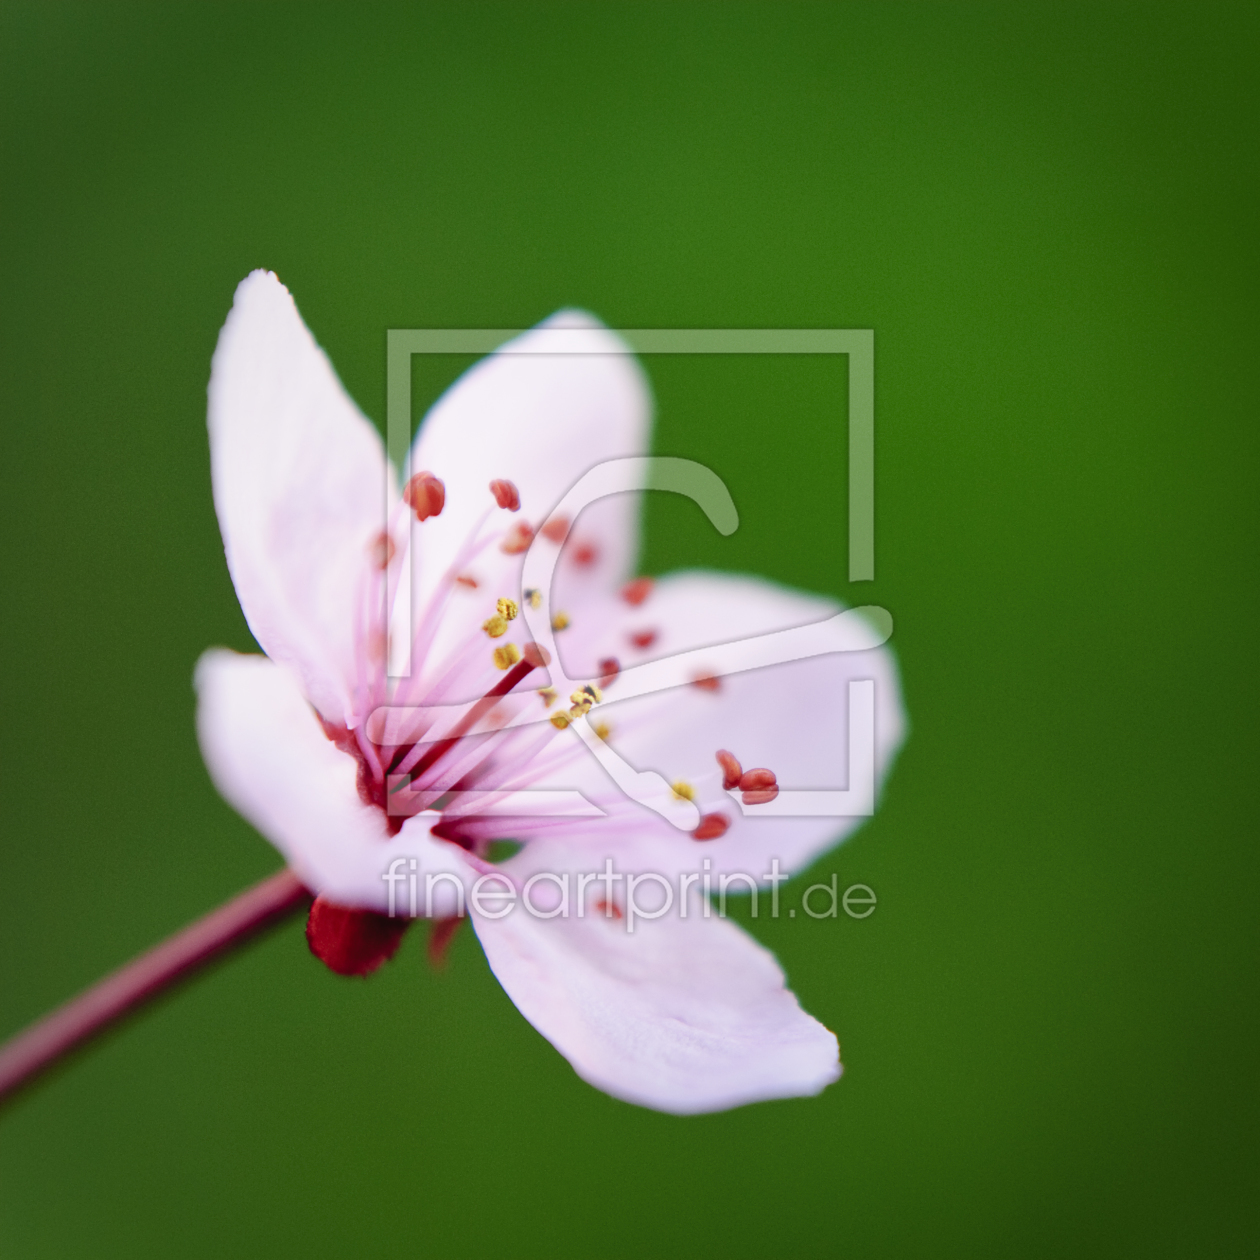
[[790, 718], [684, 1015], [300, 487], [269, 757], [539, 421]]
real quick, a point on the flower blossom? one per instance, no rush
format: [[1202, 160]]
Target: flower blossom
[[336, 564]]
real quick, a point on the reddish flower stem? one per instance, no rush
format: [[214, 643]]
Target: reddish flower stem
[[28, 1053]]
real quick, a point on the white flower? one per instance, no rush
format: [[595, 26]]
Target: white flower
[[686, 1013]]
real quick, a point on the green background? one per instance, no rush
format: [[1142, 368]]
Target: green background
[[1048, 215]]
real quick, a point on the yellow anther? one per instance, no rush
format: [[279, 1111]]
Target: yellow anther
[[506, 656], [560, 720], [533, 598], [547, 695], [560, 621], [603, 730], [683, 791], [507, 609], [588, 694], [496, 626]]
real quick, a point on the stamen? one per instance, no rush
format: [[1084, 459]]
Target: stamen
[[549, 695], [560, 621], [732, 771], [507, 609], [533, 598], [603, 730], [643, 638], [495, 626], [518, 539], [683, 790], [466, 579], [588, 694], [712, 827], [610, 909], [560, 720], [634, 593], [758, 786], [706, 682], [506, 656], [585, 554], [537, 655], [556, 530], [506, 495], [425, 495], [609, 668]]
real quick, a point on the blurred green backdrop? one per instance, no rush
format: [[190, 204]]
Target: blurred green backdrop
[[1048, 215]]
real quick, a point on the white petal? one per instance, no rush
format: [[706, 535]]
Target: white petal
[[540, 421], [300, 486], [790, 718], [268, 755], [684, 1015]]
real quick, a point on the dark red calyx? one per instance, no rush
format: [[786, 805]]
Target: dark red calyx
[[352, 942]]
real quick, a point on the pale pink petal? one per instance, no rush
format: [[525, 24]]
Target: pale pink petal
[[539, 421], [790, 718], [684, 1015], [300, 486], [268, 755]]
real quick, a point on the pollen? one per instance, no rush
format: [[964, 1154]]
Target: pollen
[[533, 598], [495, 626], [603, 730], [518, 539], [587, 694], [425, 495], [560, 621], [556, 530], [634, 593], [506, 495], [507, 609], [506, 656], [609, 668], [560, 720], [547, 695], [732, 771], [683, 790]]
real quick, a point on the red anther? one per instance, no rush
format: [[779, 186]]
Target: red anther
[[382, 550], [506, 495], [556, 530], [643, 638], [706, 682], [441, 934], [536, 655], [756, 780], [712, 826], [732, 771], [585, 554], [634, 593], [425, 495], [352, 942], [760, 797], [609, 668], [609, 908], [518, 539], [466, 579]]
